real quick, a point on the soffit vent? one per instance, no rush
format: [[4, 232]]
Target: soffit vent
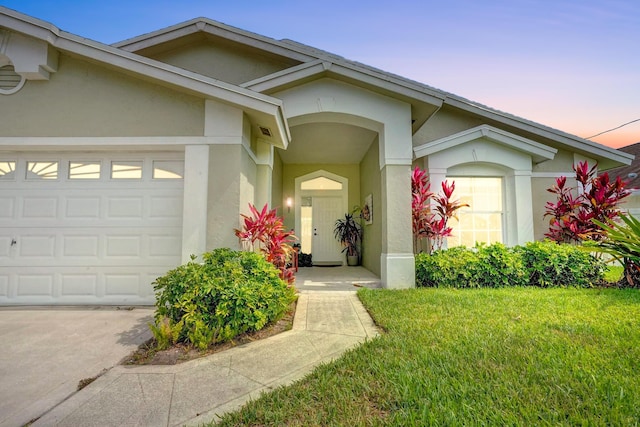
[[265, 131]]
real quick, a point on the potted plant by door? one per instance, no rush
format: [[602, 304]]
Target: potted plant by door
[[349, 232]]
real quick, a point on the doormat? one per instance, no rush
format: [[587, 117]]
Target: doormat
[[327, 264]]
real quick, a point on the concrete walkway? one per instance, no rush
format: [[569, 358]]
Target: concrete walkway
[[326, 324]]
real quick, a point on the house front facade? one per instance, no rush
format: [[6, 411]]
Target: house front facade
[[117, 162]]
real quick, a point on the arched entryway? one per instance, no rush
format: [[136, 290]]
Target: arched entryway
[[321, 198]]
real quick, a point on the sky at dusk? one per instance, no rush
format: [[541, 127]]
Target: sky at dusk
[[570, 64]]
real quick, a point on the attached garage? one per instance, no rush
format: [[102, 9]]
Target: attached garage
[[88, 228]]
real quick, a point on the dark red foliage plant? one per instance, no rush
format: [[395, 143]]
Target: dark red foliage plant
[[267, 229], [594, 197], [430, 223]]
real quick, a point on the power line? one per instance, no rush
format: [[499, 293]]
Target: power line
[[622, 125]]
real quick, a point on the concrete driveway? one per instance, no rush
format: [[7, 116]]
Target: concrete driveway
[[45, 352]]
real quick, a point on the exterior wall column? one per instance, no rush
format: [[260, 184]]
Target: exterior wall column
[[264, 175], [523, 228], [194, 211], [397, 263], [226, 187]]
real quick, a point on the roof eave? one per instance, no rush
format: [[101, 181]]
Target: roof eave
[[607, 157], [538, 152], [258, 106]]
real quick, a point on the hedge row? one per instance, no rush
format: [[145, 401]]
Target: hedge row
[[542, 264]]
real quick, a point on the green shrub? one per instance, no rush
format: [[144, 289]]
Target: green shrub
[[542, 264], [228, 294], [550, 264], [499, 266], [483, 266]]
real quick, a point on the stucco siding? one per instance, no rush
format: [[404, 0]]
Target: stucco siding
[[561, 163], [444, 123], [230, 63], [225, 161], [85, 99], [277, 199], [370, 184], [248, 175]]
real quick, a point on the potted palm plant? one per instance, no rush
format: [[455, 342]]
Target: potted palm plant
[[349, 233]]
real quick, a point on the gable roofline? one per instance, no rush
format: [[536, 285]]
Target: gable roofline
[[312, 62], [321, 67], [215, 28], [538, 152], [259, 107]]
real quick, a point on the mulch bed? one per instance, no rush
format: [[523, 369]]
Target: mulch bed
[[146, 354]]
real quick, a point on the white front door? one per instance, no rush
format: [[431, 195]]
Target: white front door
[[325, 248]]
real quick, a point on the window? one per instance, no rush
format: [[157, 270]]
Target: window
[[168, 169], [126, 170], [482, 220], [306, 223], [321, 183], [84, 170], [42, 170], [7, 170]]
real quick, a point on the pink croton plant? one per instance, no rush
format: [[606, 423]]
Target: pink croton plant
[[573, 212], [431, 220], [267, 228]]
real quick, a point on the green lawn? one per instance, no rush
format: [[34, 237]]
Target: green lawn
[[518, 356]]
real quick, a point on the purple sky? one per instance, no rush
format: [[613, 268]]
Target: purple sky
[[569, 64]]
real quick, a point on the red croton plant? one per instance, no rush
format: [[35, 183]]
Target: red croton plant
[[572, 214], [267, 228], [431, 222]]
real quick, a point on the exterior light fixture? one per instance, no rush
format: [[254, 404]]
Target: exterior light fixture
[[289, 204]]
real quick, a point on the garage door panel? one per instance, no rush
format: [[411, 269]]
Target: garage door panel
[[36, 246], [87, 246], [39, 207], [124, 207], [78, 285], [123, 246], [35, 285], [165, 246], [166, 207], [121, 284], [4, 285], [81, 246], [78, 207], [7, 208], [5, 248]]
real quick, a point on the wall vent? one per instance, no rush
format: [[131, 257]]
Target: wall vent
[[265, 131], [10, 81]]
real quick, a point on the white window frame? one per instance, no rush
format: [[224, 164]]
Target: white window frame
[[453, 222]]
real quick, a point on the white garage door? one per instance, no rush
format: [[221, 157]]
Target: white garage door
[[88, 228]]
